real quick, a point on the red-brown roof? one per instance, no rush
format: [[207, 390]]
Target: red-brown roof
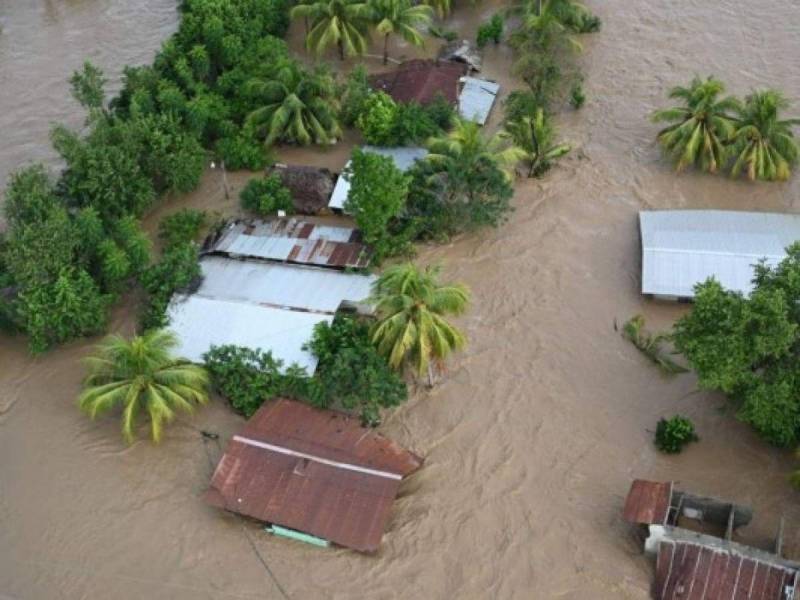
[[648, 502], [421, 81], [315, 471], [688, 571]]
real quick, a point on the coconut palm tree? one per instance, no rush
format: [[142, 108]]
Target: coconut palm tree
[[442, 7], [340, 22], [465, 148], [764, 145], [535, 135], [141, 374], [700, 129], [399, 17], [299, 107], [411, 307]]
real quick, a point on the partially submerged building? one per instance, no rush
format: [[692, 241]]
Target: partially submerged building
[[313, 472], [311, 187], [422, 81], [693, 562], [264, 289], [403, 157], [681, 248]]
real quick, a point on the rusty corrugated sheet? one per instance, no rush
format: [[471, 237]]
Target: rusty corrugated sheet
[[686, 570], [296, 241], [312, 470], [648, 502], [421, 81]]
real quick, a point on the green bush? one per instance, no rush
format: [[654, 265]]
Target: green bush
[[351, 373], [354, 96], [242, 152], [248, 378], [177, 271], [674, 433], [491, 31], [577, 97], [266, 196], [181, 227], [383, 122], [377, 119]]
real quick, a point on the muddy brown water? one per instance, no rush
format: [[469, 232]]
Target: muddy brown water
[[534, 435]]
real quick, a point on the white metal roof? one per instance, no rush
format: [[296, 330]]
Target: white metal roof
[[681, 248], [202, 322], [404, 157], [477, 98], [305, 288]]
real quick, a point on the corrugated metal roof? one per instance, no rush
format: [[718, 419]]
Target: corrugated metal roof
[[648, 502], [294, 241], [687, 570], [301, 288], [314, 471], [681, 248], [421, 81], [404, 158], [477, 98], [202, 322]]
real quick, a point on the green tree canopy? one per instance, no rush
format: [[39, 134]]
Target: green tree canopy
[[700, 129], [748, 347], [412, 329], [535, 136], [141, 375], [343, 23], [399, 17], [764, 145]]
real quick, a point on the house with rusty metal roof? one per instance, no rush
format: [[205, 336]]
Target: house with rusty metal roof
[[693, 562], [310, 187], [314, 473], [291, 240]]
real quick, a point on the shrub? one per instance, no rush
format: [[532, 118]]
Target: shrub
[[577, 97], [354, 96], [181, 227], [377, 119], [378, 192], [177, 271], [266, 196], [492, 31], [650, 344], [242, 152], [351, 374], [248, 378], [674, 433]]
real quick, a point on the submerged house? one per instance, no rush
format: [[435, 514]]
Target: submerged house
[[404, 158], [681, 248], [311, 187], [422, 81], [312, 474], [696, 557], [266, 290]]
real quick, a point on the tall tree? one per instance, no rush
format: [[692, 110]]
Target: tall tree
[[299, 107], [535, 135], [700, 129], [343, 23], [141, 374], [399, 17], [764, 145], [412, 329]]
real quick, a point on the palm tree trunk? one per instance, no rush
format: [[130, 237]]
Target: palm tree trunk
[[430, 376], [306, 22], [386, 49], [341, 50]]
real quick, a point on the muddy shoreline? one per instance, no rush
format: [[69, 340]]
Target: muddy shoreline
[[532, 439]]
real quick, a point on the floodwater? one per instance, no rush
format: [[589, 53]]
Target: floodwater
[[534, 435]]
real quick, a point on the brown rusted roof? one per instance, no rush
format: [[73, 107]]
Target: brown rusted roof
[[648, 502], [421, 81], [311, 187], [312, 470], [294, 241], [687, 571]]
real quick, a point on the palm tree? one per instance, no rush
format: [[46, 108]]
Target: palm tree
[[300, 107], [701, 128], [764, 145], [411, 306], [442, 7], [535, 136], [340, 22], [465, 148], [141, 374], [399, 17]]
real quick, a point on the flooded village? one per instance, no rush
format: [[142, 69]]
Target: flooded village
[[529, 469]]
